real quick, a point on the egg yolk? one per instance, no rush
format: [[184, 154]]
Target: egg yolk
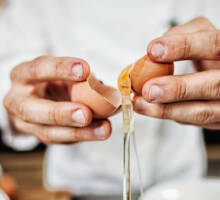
[[124, 81]]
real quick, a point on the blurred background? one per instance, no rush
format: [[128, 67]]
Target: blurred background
[[27, 170], [26, 167]]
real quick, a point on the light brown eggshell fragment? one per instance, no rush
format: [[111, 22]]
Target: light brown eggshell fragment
[[103, 100], [8, 185], [144, 69]]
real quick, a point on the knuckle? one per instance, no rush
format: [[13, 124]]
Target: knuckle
[[59, 67], [77, 135], [40, 58], [165, 111], [204, 116], [44, 140], [172, 30], [45, 135], [55, 115], [181, 89], [35, 66], [18, 125], [6, 101], [58, 71], [216, 46], [211, 88], [13, 73], [206, 23], [186, 47], [202, 19], [21, 110], [215, 90]]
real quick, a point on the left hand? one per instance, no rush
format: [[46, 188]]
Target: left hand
[[39, 102], [193, 98]]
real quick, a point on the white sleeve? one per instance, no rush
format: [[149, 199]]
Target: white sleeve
[[21, 39]]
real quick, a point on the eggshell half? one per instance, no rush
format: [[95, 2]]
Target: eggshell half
[[144, 69], [103, 100]]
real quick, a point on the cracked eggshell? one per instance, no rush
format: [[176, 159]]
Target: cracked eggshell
[[103, 100], [144, 69]]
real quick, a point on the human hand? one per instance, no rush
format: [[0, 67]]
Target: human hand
[[38, 102], [193, 98]]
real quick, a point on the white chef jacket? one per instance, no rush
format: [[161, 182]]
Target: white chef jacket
[[110, 35]]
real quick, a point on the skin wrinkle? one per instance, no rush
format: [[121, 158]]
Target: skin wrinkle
[[47, 134], [217, 89], [181, 89], [54, 114], [57, 67], [166, 113], [186, 50], [21, 110], [206, 90], [201, 42], [204, 115], [34, 72], [34, 69], [180, 46], [217, 44], [212, 88], [198, 103]]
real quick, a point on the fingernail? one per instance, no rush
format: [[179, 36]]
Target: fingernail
[[78, 117], [158, 50], [100, 132], [77, 70], [140, 104], [155, 92]]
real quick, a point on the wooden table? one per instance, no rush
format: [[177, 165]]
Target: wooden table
[[27, 169], [213, 152], [1, 2]]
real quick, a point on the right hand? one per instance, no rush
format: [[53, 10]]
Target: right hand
[[38, 102]]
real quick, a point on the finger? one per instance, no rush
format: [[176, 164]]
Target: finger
[[204, 65], [196, 112], [201, 85], [36, 110], [195, 25], [46, 68], [197, 45], [213, 126], [56, 134]]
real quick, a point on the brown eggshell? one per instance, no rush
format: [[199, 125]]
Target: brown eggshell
[[8, 185], [103, 100], [144, 69]]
